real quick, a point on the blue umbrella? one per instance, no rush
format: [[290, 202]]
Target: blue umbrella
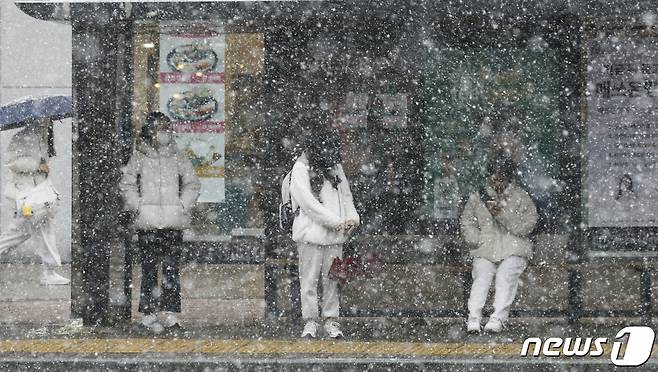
[[20, 113]]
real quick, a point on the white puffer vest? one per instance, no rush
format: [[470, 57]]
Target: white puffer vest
[[161, 186], [496, 238]]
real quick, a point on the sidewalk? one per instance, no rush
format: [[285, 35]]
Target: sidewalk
[[370, 344], [417, 330], [24, 299], [239, 297], [225, 330]]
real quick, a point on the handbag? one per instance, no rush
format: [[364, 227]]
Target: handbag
[[356, 266], [39, 202]]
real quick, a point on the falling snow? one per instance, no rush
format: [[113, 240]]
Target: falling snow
[[411, 184]]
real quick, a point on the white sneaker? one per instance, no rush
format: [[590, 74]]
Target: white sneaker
[[151, 322], [168, 319], [310, 329], [494, 325], [332, 328], [50, 277], [473, 325]]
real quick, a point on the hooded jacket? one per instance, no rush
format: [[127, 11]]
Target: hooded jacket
[[26, 150], [317, 217], [505, 235], [161, 186]]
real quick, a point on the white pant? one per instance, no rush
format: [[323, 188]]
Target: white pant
[[507, 275], [22, 229], [315, 262]]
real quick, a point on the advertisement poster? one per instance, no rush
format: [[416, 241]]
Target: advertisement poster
[[192, 95], [622, 138]]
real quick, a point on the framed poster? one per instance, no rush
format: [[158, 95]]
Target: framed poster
[[192, 72], [622, 132]]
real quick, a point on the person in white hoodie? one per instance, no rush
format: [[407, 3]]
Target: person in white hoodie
[[160, 187], [325, 216], [27, 159], [497, 221]]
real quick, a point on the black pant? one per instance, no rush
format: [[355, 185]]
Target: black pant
[[160, 247]]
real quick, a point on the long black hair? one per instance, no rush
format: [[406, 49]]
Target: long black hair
[[323, 152], [502, 166], [150, 128]]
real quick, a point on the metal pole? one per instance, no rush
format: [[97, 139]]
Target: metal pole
[[575, 296], [646, 293]]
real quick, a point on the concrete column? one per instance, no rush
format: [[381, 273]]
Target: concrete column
[[96, 164]]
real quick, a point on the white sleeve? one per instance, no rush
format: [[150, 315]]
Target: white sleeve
[[521, 217], [352, 214], [128, 184], [191, 186], [300, 190], [469, 223]]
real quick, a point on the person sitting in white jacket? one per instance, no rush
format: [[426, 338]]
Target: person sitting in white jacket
[[497, 221], [326, 214], [160, 186], [27, 159]]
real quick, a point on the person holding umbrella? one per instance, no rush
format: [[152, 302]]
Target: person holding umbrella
[[30, 189]]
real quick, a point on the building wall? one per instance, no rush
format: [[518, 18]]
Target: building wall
[[35, 60]]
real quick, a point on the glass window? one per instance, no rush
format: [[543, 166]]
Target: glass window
[[485, 103], [486, 96], [368, 88], [209, 82]]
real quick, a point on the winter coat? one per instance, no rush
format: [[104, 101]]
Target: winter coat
[[25, 153], [317, 218], [505, 235], [161, 186]]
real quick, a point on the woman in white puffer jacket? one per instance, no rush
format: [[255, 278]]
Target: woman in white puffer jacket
[[497, 221], [159, 185], [326, 214]]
